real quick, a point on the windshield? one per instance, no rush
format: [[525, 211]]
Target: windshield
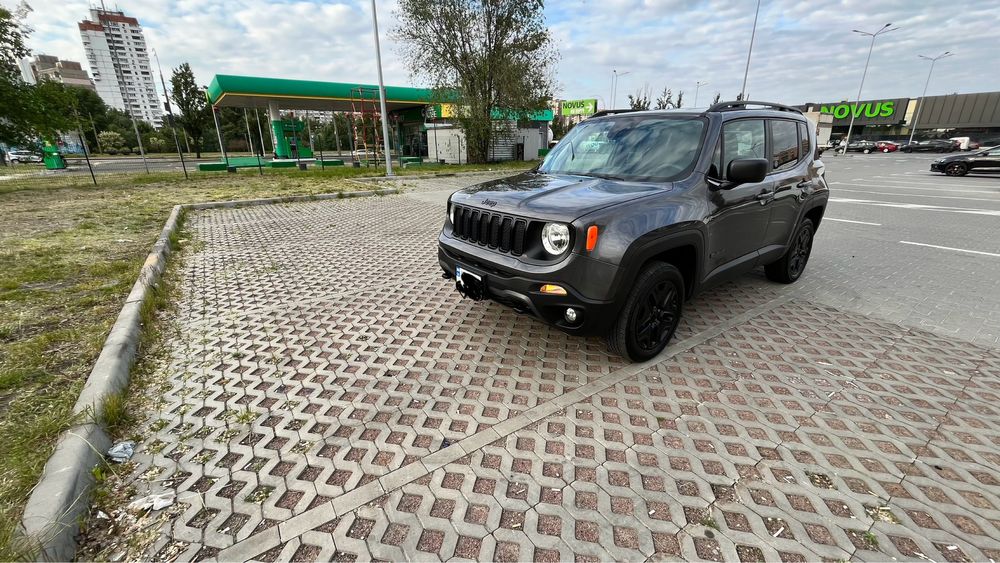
[[632, 147]]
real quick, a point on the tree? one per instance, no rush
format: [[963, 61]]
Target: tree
[[27, 111], [665, 100], [111, 141], [680, 98], [483, 55], [195, 112]]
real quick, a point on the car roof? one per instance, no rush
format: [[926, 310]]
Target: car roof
[[730, 110]]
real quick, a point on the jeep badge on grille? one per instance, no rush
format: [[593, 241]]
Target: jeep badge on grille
[[489, 203]]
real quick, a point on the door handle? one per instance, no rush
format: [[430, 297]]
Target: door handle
[[764, 197], [804, 185]]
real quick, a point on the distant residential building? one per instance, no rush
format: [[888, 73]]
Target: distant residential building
[[119, 62], [47, 67]]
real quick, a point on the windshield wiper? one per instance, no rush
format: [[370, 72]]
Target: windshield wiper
[[605, 176]]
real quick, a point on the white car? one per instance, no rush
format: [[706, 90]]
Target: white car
[[18, 156]]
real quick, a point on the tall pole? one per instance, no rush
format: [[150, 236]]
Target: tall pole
[[218, 131], [746, 72], [381, 95], [697, 86], [612, 96], [614, 85], [260, 132], [857, 103], [170, 113], [920, 104]]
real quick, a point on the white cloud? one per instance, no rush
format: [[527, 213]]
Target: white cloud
[[804, 51]]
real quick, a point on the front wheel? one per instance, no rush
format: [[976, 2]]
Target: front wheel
[[956, 169], [790, 266], [868, 151], [651, 313], [885, 150]]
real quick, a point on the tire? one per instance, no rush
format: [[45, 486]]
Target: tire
[[792, 263], [885, 150], [956, 169], [15, 161], [907, 151], [868, 151], [656, 302]]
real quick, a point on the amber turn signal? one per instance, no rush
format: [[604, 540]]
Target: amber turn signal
[[553, 289], [591, 237]]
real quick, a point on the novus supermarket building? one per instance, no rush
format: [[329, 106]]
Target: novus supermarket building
[[952, 115]]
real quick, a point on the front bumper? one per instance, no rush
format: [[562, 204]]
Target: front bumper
[[519, 289], [937, 166]]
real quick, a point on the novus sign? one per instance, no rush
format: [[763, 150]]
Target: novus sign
[[870, 112]]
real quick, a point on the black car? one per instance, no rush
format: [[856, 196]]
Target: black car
[[866, 147], [634, 212], [962, 164], [933, 145]]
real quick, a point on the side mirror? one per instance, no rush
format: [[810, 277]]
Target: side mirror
[[746, 171]]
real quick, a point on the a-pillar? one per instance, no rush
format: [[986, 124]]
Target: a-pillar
[[280, 143]]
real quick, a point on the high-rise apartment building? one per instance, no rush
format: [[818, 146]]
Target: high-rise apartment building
[[119, 63], [47, 67]]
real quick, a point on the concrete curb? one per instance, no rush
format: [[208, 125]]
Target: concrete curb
[[61, 498]]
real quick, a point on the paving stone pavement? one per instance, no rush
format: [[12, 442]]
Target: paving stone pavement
[[332, 398]]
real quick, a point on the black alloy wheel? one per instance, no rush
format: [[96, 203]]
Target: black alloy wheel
[[956, 169], [657, 317], [650, 315], [793, 262]]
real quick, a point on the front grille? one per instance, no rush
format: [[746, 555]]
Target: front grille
[[494, 230]]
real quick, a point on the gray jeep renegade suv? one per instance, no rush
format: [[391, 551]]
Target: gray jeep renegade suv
[[633, 212]]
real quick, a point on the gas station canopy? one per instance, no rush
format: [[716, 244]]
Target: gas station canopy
[[252, 91]]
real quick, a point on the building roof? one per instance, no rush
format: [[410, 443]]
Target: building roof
[[254, 91]]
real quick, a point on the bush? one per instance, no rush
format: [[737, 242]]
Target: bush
[[111, 151]]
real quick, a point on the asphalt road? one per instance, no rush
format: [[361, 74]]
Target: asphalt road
[[912, 246]]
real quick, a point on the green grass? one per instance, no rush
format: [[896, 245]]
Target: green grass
[[69, 254]]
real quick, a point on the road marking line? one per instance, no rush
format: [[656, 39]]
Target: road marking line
[[849, 221], [950, 248], [918, 206], [899, 194], [938, 190]]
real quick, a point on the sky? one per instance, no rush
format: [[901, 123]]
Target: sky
[[803, 51]]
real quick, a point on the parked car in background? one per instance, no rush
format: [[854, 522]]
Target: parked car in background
[[887, 146], [966, 143], [860, 146], [933, 145], [17, 156], [962, 164]]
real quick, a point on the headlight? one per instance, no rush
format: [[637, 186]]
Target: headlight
[[555, 238], [451, 213]]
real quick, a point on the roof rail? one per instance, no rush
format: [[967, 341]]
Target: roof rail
[[604, 112], [741, 104]]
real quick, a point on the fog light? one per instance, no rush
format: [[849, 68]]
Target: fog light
[[570, 315]]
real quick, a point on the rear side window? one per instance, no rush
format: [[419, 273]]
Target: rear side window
[[785, 144], [803, 139], [742, 139]]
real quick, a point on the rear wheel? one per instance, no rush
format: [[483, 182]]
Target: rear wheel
[[790, 266], [868, 151], [956, 169], [651, 313], [885, 150]]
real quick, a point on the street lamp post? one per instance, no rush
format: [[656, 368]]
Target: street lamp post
[[920, 104], [615, 75], [885, 29], [697, 86], [381, 96], [749, 51]]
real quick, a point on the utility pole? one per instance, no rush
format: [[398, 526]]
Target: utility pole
[[697, 86], [381, 95], [920, 104], [170, 113], [854, 110], [746, 72]]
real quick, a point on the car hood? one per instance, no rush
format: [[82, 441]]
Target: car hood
[[555, 197], [955, 157]]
